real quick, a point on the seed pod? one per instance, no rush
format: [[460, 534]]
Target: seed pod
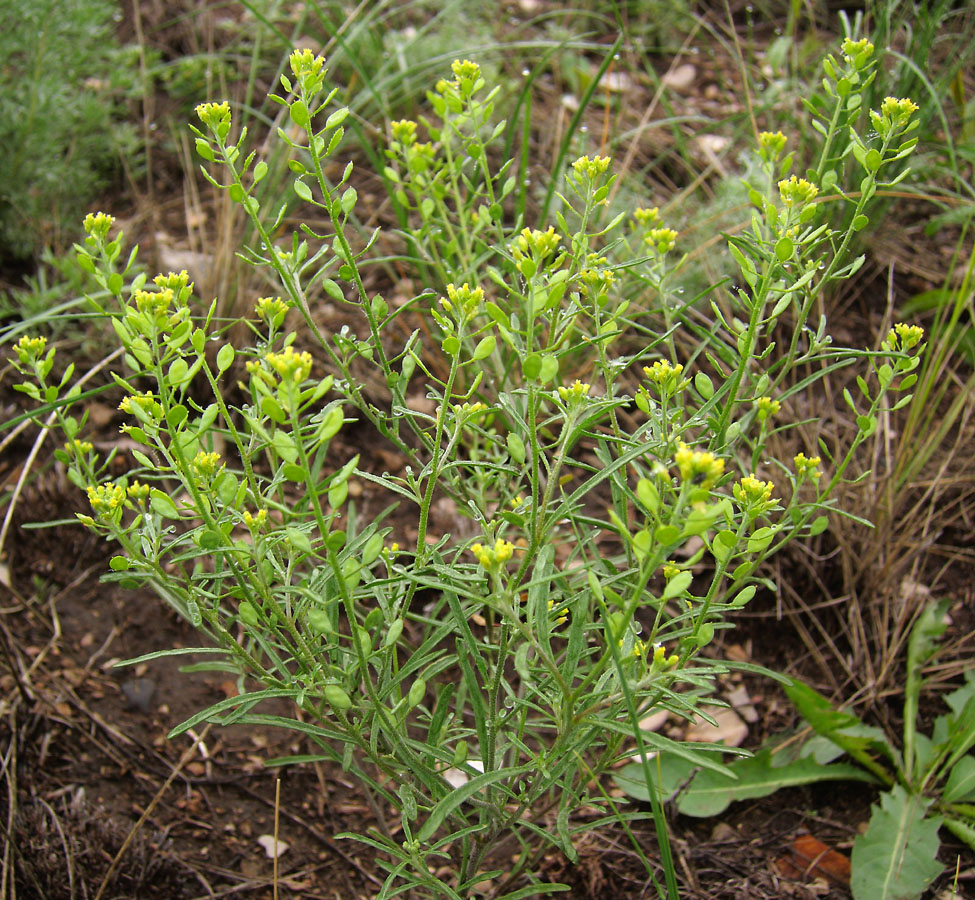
[[338, 698], [320, 622], [395, 630], [408, 799], [417, 692], [248, 614]]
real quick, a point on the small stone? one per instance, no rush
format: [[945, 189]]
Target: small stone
[[730, 730], [681, 78], [139, 692]]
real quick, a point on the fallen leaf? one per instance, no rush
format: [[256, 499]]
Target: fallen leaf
[[271, 847], [810, 859]]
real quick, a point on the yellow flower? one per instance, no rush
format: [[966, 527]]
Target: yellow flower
[[290, 366], [767, 407], [666, 377], [754, 497], [205, 464], [797, 191], [575, 392], [807, 467], [81, 448], [698, 467], [663, 240], [591, 168], [270, 308], [494, 558], [106, 498], [561, 615], [255, 520]]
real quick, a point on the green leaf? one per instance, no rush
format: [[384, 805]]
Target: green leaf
[[960, 787], [284, 446], [204, 149], [842, 728], [819, 525], [896, 858], [723, 543], [709, 793], [332, 289], [449, 803], [337, 117]]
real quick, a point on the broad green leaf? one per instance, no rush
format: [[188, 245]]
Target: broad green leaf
[[961, 830], [709, 794], [896, 858], [960, 787], [843, 728]]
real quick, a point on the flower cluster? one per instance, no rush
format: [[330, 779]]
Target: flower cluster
[[138, 491], [561, 614], [666, 377], [289, 365], [754, 497], [895, 115], [145, 403], [646, 217], [807, 467], [856, 53], [105, 499], [661, 660], [574, 393], [465, 300], [97, 225], [216, 117], [771, 145], [205, 464], [30, 349], [698, 467], [255, 520], [306, 66], [902, 338], [272, 309], [532, 247], [661, 240], [494, 558], [466, 82], [797, 191], [590, 169], [767, 407], [79, 448]]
